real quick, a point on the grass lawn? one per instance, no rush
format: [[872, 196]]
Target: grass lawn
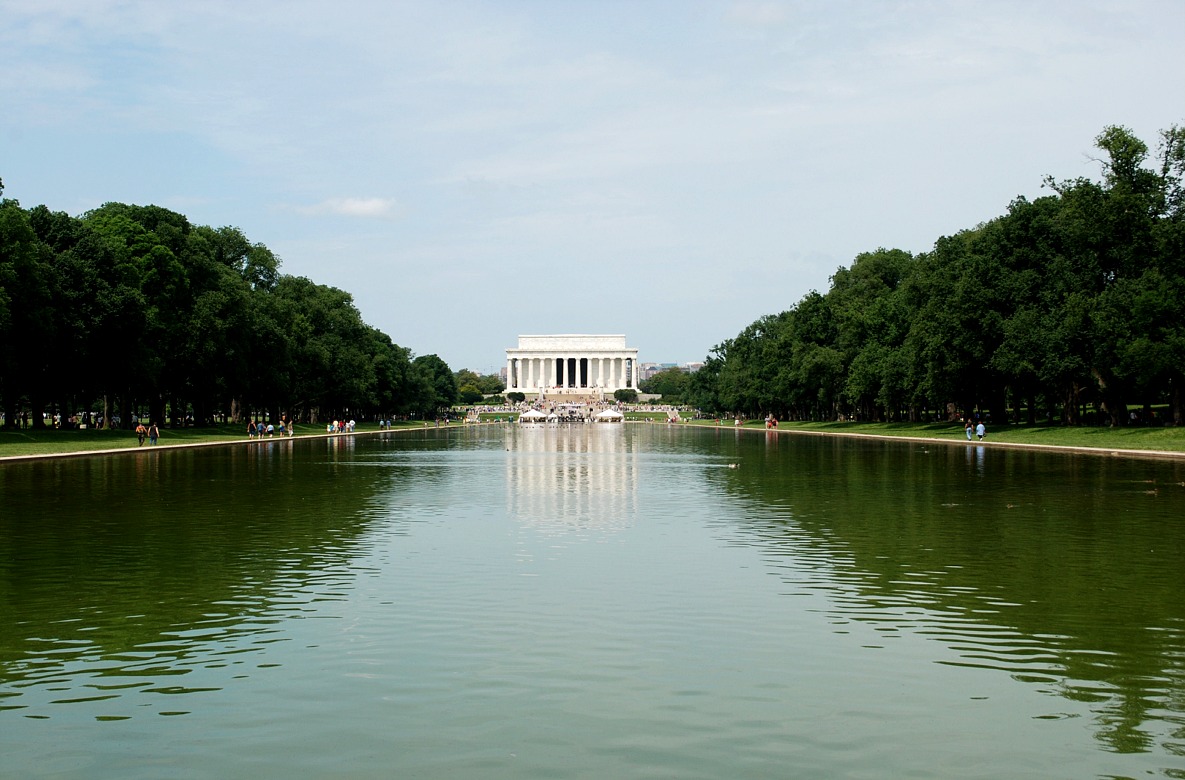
[[50, 441], [1167, 439], [632, 415]]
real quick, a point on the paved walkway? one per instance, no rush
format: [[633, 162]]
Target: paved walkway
[[221, 443], [961, 441], [953, 442]]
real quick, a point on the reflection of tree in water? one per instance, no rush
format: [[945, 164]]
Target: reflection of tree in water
[[1063, 571], [122, 572]]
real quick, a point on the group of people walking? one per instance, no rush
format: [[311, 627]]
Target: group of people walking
[[257, 430]]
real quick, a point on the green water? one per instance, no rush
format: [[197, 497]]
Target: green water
[[592, 602]]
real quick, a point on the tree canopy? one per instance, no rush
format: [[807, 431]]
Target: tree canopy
[[670, 383], [473, 387], [1067, 305], [133, 309]]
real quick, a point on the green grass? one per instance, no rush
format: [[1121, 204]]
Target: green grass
[[14, 443], [631, 415], [1167, 439]]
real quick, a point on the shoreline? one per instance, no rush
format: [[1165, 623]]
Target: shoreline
[[196, 444], [1109, 452]]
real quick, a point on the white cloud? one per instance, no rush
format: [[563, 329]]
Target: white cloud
[[384, 208], [759, 14], [753, 145]]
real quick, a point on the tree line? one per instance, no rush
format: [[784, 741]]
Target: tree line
[[134, 310], [1068, 307]]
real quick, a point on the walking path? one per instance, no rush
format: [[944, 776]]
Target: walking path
[[956, 442], [221, 443], [953, 442]]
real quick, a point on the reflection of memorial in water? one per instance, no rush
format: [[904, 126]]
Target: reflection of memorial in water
[[572, 477]]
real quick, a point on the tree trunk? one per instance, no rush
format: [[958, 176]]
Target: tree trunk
[[37, 412], [125, 411], [156, 410], [1070, 409]]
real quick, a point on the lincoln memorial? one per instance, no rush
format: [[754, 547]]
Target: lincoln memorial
[[571, 365]]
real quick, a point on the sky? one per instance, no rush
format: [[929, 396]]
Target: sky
[[671, 171]]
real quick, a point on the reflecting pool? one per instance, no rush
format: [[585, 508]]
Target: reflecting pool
[[589, 602]]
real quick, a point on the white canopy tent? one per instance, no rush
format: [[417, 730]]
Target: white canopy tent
[[532, 415]]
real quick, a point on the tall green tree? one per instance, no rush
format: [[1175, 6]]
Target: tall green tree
[[670, 383], [28, 318], [440, 378]]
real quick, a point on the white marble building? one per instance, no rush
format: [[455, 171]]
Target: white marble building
[[571, 365]]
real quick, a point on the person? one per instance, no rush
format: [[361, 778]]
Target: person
[[153, 435], [967, 428], [251, 429], [980, 430], [141, 432]]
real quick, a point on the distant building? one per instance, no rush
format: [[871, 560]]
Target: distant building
[[648, 370], [576, 364]]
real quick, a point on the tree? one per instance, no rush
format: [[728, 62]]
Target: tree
[[490, 384], [873, 319], [466, 377], [332, 370], [485, 384], [27, 314], [671, 384], [440, 379], [701, 389]]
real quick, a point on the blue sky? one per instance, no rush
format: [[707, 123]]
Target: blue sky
[[667, 170]]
